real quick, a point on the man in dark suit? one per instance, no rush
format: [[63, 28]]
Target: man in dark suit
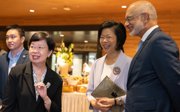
[[154, 75], [15, 37]]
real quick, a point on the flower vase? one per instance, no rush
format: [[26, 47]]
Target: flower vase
[[64, 69]]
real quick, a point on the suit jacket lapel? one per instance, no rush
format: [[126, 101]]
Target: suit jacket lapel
[[6, 64], [99, 69], [29, 79], [23, 57], [140, 50]]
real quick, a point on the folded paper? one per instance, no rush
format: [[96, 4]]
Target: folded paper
[[107, 88]]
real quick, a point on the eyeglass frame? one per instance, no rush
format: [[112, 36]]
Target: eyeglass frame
[[38, 48], [107, 37], [130, 18]]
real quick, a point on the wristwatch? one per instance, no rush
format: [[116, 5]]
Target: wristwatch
[[119, 101]]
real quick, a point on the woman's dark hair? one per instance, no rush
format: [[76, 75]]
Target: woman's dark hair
[[16, 27], [43, 36], [119, 31]]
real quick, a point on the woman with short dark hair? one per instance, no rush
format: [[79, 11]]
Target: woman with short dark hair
[[114, 64], [34, 87]]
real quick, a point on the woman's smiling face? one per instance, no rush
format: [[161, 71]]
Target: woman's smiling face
[[108, 40]]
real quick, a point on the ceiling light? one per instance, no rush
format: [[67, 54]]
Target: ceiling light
[[31, 10], [85, 41], [61, 35], [67, 8], [124, 6]]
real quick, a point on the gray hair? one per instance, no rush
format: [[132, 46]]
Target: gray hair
[[145, 7]]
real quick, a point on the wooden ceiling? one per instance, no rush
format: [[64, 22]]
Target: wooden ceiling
[[84, 12]]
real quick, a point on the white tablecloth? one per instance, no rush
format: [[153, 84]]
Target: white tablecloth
[[75, 102]]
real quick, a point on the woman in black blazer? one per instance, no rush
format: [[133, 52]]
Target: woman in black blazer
[[34, 87]]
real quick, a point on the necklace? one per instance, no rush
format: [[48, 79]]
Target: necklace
[[37, 81], [35, 76]]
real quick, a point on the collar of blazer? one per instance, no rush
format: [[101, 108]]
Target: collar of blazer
[[139, 51], [49, 77], [23, 57]]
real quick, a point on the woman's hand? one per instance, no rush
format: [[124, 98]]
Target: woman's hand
[[103, 104], [106, 101], [42, 91]]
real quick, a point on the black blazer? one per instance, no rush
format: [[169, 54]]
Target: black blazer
[[4, 65], [20, 92], [154, 76]]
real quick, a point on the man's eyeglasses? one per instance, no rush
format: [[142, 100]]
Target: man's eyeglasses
[[130, 18]]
